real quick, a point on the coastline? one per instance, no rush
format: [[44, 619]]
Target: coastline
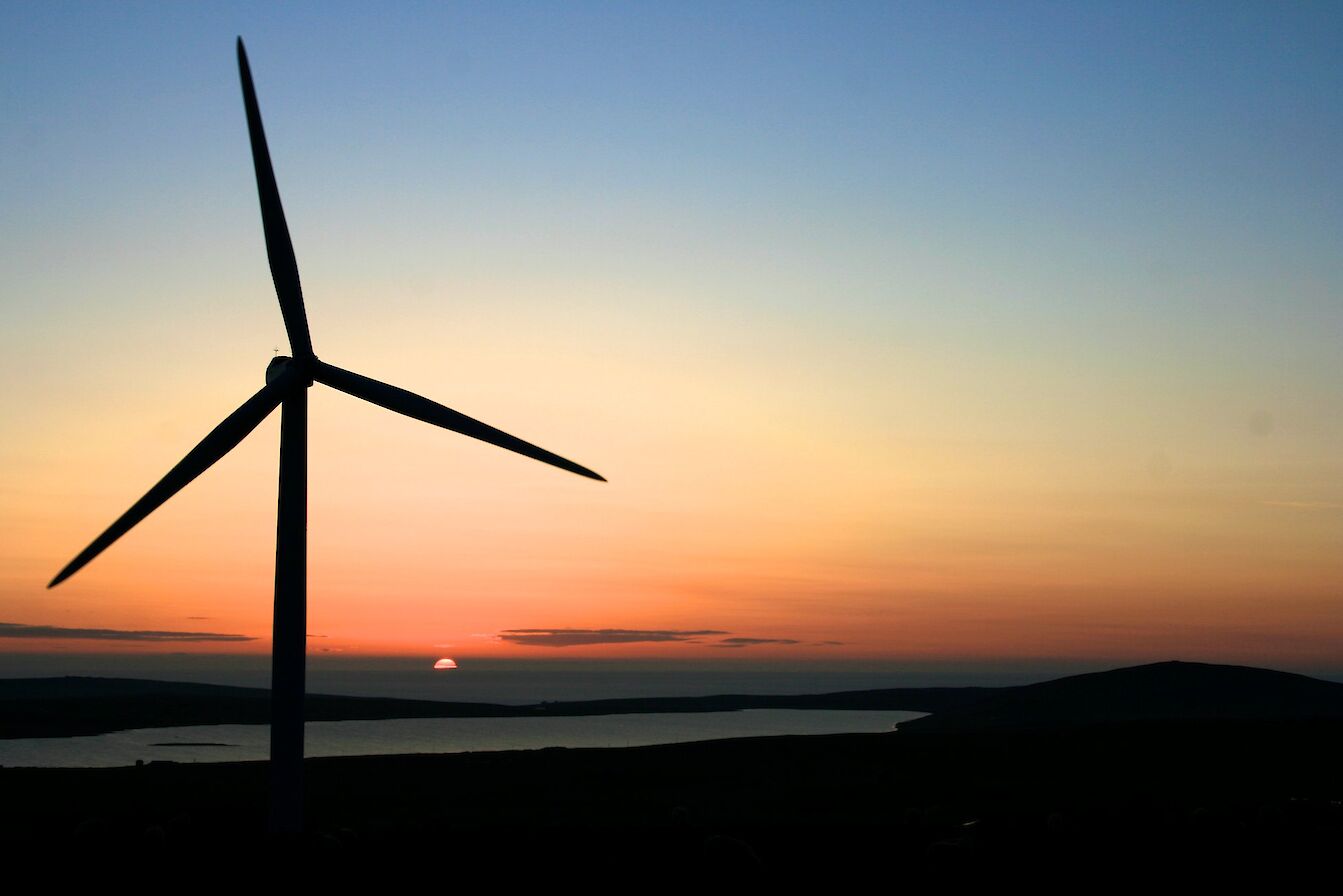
[[74, 707]]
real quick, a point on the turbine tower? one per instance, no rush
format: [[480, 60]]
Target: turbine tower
[[287, 383]]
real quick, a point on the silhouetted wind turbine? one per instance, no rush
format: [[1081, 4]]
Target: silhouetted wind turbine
[[287, 382]]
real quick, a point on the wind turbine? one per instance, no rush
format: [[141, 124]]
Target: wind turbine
[[287, 383]]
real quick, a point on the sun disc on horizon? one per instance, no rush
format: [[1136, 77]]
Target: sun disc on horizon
[[446, 663]]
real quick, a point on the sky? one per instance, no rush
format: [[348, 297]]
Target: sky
[[901, 331]]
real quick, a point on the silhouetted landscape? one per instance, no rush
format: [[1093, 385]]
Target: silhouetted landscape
[[1210, 769], [1172, 691]]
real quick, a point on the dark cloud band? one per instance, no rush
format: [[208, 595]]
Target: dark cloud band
[[753, 642], [17, 630]]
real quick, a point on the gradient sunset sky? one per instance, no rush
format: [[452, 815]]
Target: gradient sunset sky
[[901, 330]]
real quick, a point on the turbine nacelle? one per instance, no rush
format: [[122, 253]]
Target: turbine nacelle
[[276, 368], [284, 367]]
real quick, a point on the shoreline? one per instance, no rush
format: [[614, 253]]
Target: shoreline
[[79, 707], [386, 737]]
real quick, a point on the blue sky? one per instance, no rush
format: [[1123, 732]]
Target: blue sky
[[1126, 141]]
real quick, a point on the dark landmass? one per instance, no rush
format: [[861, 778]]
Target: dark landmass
[[61, 707], [1081, 782], [1173, 691], [1204, 801], [64, 707]]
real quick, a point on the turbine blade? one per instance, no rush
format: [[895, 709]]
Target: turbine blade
[[413, 405], [219, 442], [279, 248]]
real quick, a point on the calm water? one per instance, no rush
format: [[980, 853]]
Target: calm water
[[363, 738]]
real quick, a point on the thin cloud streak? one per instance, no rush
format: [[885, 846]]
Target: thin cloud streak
[[19, 630], [753, 642], [574, 637], [577, 637]]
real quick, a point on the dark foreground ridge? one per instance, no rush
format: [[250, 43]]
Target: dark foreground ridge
[[1207, 800], [65, 707]]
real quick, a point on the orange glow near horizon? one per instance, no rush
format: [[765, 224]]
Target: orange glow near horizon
[[850, 544]]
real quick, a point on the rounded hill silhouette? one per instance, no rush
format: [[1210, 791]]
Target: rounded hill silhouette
[[1169, 691]]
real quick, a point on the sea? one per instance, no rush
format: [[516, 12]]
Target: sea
[[234, 743]]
